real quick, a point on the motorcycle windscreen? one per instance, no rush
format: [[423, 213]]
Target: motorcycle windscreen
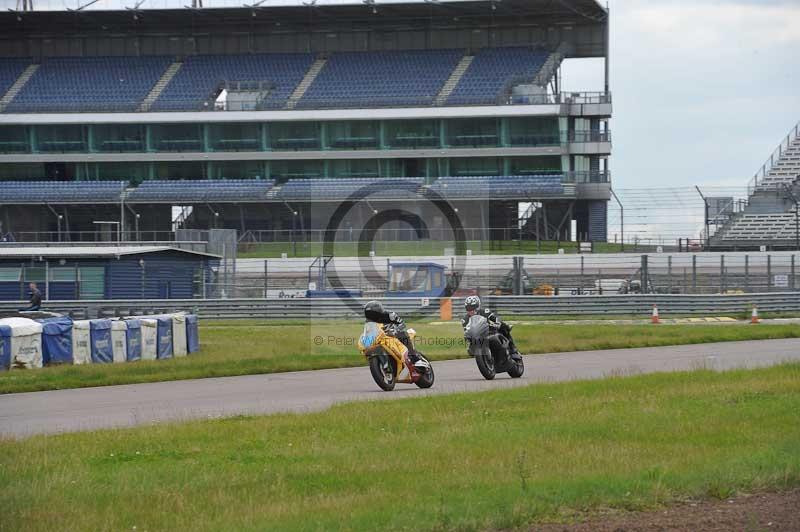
[[370, 335]]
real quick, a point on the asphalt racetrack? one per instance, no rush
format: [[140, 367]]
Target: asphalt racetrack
[[134, 404]]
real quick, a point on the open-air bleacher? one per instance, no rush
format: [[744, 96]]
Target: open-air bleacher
[[761, 228], [499, 187], [490, 72], [344, 188], [196, 82], [201, 190], [16, 192], [785, 170], [381, 79], [79, 84]]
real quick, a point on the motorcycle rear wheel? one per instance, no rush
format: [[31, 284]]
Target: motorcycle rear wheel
[[426, 379], [383, 370], [486, 366]]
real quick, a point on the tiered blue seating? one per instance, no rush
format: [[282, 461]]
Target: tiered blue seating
[[381, 79], [201, 190], [199, 77], [10, 70], [77, 84], [491, 70], [61, 191], [342, 188], [498, 186]]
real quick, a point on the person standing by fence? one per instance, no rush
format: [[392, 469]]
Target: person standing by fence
[[36, 298]]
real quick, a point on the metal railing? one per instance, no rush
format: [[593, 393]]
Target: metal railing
[[416, 308], [194, 105], [755, 181]]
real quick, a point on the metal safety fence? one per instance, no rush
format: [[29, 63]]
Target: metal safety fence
[[350, 308]]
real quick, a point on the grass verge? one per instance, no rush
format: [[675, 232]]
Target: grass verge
[[251, 347], [498, 459]]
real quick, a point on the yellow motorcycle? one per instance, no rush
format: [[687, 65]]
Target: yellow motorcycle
[[388, 358]]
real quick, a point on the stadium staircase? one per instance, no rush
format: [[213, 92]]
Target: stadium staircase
[[308, 79], [18, 85], [452, 81], [163, 81], [550, 67], [768, 218]]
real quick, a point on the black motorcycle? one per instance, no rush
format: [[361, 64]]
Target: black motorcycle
[[490, 349]]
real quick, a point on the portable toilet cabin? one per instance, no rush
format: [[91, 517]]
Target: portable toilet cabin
[[100, 342], [56, 340], [81, 342], [133, 339], [416, 279], [119, 341], [179, 348], [24, 343], [149, 328], [192, 334]]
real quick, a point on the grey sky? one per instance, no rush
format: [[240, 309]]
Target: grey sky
[[703, 90]]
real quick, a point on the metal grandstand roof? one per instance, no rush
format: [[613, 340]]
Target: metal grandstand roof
[[302, 14], [88, 251]]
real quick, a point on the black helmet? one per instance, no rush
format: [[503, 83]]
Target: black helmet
[[373, 311]]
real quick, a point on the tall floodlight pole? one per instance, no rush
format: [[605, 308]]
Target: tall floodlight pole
[[621, 220], [705, 202]]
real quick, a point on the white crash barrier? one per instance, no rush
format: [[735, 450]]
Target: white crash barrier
[[21, 343], [81, 344], [98, 341], [179, 348], [149, 338], [119, 343]]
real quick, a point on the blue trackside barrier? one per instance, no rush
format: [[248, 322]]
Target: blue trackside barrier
[[192, 334], [56, 341], [164, 337], [100, 342], [133, 337], [5, 348]]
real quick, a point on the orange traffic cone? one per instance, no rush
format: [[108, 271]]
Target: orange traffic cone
[[754, 315], [654, 318]]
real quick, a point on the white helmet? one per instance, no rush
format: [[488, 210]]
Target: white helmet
[[472, 303]]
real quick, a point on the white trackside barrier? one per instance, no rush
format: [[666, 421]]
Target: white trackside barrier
[[119, 343], [81, 344], [179, 348], [22, 339], [149, 338]]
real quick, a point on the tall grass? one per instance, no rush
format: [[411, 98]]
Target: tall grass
[[492, 460]]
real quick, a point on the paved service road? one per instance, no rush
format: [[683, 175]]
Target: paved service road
[[133, 404]]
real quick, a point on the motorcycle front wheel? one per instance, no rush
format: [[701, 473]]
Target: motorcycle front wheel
[[486, 366], [383, 370], [517, 369]]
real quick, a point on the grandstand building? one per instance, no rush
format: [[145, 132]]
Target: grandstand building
[[769, 217], [266, 118]]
